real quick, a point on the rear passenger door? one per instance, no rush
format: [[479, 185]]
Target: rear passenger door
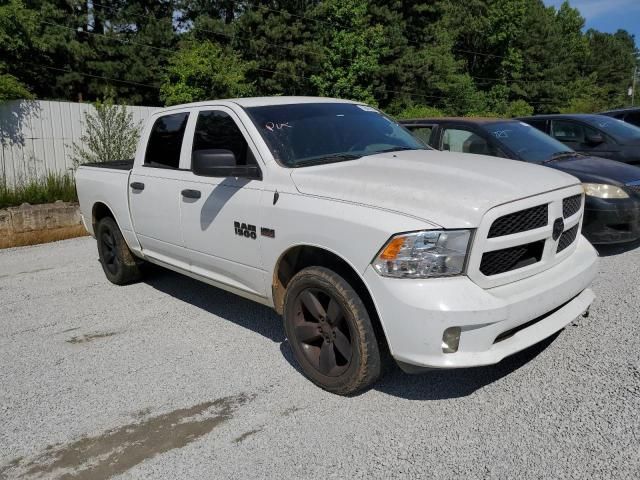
[[154, 190], [221, 227]]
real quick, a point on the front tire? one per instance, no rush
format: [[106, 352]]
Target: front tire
[[330, 332], [118, 263]]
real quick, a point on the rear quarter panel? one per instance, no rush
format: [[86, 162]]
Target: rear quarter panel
[[110, 187]]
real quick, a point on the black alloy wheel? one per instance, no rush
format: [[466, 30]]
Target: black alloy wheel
[[330, 332], [119, 264], [322, 333]]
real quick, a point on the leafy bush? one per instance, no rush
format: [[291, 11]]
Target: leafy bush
[[53, 187], [420, 111], [110, 134]]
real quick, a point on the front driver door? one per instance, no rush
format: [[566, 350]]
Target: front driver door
[[221, 227]]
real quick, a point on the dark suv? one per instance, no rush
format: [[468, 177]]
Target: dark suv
[[630, 115], [598, 135], [612, 204]]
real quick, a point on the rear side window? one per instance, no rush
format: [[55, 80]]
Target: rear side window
[[464, 141], [165, 141], [567, 131], [539, 124], [422, 133], [633, 118], [216, 130]]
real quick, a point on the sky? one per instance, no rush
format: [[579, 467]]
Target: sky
[[608, 15]]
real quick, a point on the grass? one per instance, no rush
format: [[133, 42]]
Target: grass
[[54, 186]]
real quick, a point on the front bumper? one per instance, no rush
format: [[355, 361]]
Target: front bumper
[[415, 313], [611, 221]]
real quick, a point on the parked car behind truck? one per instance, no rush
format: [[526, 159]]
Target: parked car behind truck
[[591, 134], [364, 240], [612, 203]]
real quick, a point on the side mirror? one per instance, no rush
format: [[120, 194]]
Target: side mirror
[[595, 139], [221, 163]]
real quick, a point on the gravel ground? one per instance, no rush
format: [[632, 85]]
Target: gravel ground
[[173, 379]]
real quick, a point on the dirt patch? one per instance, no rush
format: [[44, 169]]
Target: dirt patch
[[90, 337], [118, 450], [290, 411], [245, 435], [70, 330], [42, 236]]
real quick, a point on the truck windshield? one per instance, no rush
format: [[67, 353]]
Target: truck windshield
[[527, 142], [317, 133]]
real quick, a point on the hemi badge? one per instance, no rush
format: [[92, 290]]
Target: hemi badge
[[267, 232]]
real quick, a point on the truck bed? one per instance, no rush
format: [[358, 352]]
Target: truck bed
[[115, 164]]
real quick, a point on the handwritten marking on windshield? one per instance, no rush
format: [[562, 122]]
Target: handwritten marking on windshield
[[501, 133], [271, 126]]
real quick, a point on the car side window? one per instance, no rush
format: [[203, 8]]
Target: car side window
[[216, 130], [464, 141], [539, 124], [567, 131], [165, 141], [633, 118], [423, 133]]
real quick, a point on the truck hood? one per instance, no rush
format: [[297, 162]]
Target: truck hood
[[446, 189]]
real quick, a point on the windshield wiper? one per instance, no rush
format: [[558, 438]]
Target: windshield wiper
[[392, 149], [561, 155], [342, 157]]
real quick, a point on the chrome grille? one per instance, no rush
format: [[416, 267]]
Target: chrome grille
[[567, 238], [521, 221], [507, 259], [571, 205]]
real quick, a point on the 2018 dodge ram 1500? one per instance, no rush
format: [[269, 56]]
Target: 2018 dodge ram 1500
[[362, 238]]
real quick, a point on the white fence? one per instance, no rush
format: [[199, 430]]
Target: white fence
[[36, 137]]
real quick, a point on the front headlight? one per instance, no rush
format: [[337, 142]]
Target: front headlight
[[602, 190], [431, 253]]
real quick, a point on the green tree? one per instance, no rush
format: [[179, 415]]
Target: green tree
[[11, 88], [353, 49], [204, 70], [110, 134]]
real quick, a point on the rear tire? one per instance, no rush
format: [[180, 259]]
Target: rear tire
[[118, 263], [330, 332]]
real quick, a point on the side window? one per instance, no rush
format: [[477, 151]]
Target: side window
[[567, 131], [539, 124], [165, 141], [464, 141], [216, 130], [633, 118], [421, 133]]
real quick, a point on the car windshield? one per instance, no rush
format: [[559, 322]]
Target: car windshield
[[527, 142], [316, 133], [616, 128]]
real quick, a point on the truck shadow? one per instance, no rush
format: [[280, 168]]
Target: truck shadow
[[447, 384], [245, 313], [616, 249], [442, 384], [431, 385]]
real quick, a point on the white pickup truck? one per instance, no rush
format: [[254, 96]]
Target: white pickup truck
[[365, 240]]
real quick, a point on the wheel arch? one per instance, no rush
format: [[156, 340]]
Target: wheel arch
[[99, 211], [297, 257]]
